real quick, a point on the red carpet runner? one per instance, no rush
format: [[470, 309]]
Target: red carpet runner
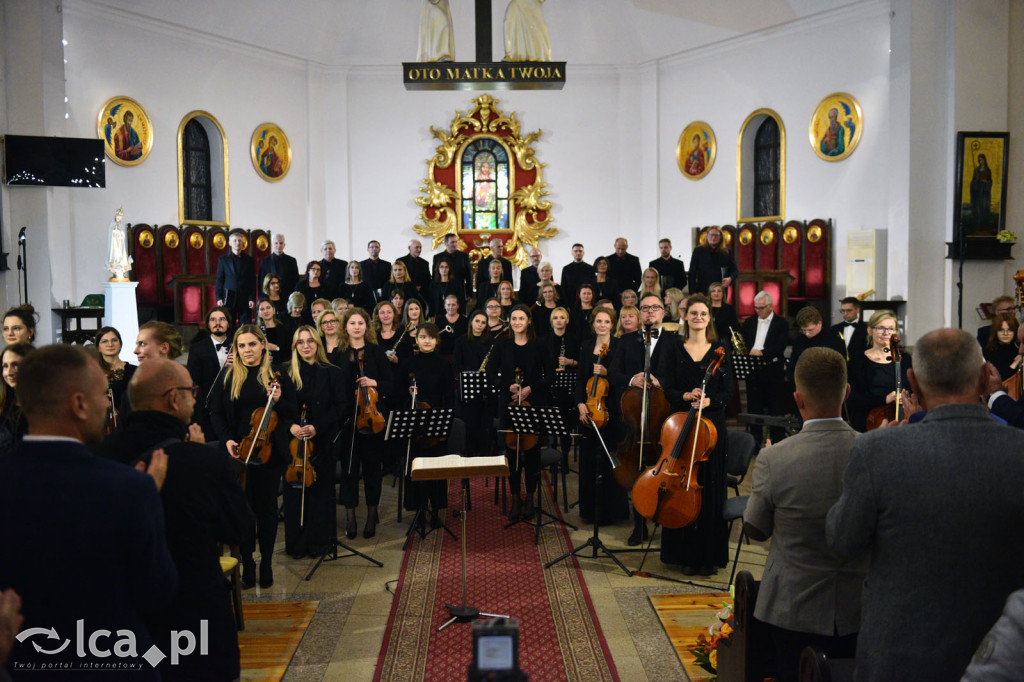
[[559, 637]]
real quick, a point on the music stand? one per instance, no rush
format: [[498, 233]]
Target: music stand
[[473, 385], [464, 613], [745, 365], [594, 541], [565, 382], [543, 421], [410, 424]]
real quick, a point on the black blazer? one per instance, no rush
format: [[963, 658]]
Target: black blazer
[[419, 271], [538, 369], [333, 274], [859, 339], [483, 272], [204, 366], [573, 275], [626, 272], [824, 339], [285, 267], [672, 271], [628, 359], [236, 281], [461, 271], [707, 268], [376, 274], [528, 279], [776, 340]]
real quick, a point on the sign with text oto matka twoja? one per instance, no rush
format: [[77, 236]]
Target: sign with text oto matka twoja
[[483, 76]]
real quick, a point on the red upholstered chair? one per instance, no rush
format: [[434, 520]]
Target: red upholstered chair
[[791, 247], [171, 255], [746, 244], [144, 267], [768, 247], [729, 239], [259, 247], [817, 262], [217, 245]]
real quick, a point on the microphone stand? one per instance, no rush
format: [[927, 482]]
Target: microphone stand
[[22, 266]]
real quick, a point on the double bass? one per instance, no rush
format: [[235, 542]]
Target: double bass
[[893, 411], [300, 472], [643, 412], [668, 492], [263, 421]]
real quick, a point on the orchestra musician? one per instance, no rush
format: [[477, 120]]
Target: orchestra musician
[[244, 389], [320, 387], [278, 340], [1001, 347], [766, 335], [703, 545], [206, 357], [119, 373], [614, 500], [412, 318], [329, 330], [13, 425], [627, 369], [471, 354], [872, 372], [541, 311], [368, 367], [453, 325], [852, 330], [442, 287], [355, 289], [387, 327], [723, 313], [520, 351]]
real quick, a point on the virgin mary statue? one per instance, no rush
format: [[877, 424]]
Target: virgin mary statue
[[526, 32], [437, 40], [118, 261]]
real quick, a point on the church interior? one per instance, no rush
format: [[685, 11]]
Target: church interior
[[637, 72]]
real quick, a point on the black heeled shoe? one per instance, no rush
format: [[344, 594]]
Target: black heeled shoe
[[351, 529], [639, 534], [370, 529], [248, 574], [266, 574]]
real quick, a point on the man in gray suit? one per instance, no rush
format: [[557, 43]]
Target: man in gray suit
[[939, 504], [807, 594]]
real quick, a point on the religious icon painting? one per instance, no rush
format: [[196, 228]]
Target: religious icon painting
[[982, 161], [695, 151], [836, 126], [126, 130], [271, 152]]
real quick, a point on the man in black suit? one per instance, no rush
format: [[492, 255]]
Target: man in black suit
[[528, 278], [624, 268], [1002, 305], [282, 265], [376, 271], [626, 369], [497, 247], [766, 335], [332, 270], [809, 323], [60, 504], [203, 505], [417, 267], [852, 330], [672, 270], [206, 357], [461, 269], [236, 280], [576, 273]]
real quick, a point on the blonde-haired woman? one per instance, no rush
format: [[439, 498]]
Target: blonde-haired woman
[[872, 371], [246, 386], [629, 321], [323, 402], [650, 283], [329, 327]]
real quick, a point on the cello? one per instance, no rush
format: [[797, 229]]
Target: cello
[[668, 492], [597, 392], [891, 411], [300, 472], [643, 412], [263, 422]]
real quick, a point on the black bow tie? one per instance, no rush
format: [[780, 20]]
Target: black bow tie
[[654, 334], [222, 346]]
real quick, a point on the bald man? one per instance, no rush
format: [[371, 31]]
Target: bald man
[[204, 505], [624, 267], [82, 538], [417, 267]]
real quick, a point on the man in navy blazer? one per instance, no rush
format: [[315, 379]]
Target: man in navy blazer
[[280, 264], [82, 538], [236, 280], [766, 335], [937, 504]]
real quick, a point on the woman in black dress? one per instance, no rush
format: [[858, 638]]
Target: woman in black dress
[[322, 400], [520, 352], [401, 282], [442, 287], [614, 501], [723, 313], [1002, 349], [434, 382], [704, 544], [412, 319], [872, 372], [579, 316], [362, 451], [453, 325], [355, 290], [604, 287], [506, 298], [471, 351], [13, 425], [245, 388], [541, 312], [119, 373], [329, 328], [711, 262], [272, 290], [279, 340], [311, 287]]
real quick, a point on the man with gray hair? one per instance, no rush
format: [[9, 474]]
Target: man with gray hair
[[332, 270], [281, 264], [938, 504], [808, 596], [417, 267], [766, 335], [497, 247]]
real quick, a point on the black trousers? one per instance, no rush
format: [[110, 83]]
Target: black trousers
[[261, 486], [763, 388], [528, 461], [789, 644], [366, 464], [320, 525]]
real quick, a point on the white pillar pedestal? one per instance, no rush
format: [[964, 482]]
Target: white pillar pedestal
[[122, 313]]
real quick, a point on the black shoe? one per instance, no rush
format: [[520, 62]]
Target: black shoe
[[516, 512], [689, 570], [706, 571], [370, 529], [248, 575], [529, 508], [297, 553], [638, 535], [266, 574]]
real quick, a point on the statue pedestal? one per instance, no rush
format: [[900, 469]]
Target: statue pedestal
[[122, 313]]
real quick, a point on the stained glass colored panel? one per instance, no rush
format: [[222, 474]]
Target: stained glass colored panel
[[485, 221], [467, 177], [484, 196], [503, 215], [503, 181], [467, 214]]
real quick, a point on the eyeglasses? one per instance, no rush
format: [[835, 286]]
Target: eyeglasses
[[762, 307], [194, 390], [649, 308], [698, 313], [886, 330], [325, 323], [492, 307]]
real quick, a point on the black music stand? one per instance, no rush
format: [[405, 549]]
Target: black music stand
[[543, 421], [407, 425], [473, 385], [594, 541], [565, 383], [745, 365]]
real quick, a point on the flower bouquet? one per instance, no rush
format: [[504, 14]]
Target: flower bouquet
[[704, 651]]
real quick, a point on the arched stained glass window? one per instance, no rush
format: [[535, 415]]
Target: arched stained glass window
[[766, 168], [197, 182], [484, 185]]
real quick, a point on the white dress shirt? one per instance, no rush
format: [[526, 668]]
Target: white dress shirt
[[762, 331]]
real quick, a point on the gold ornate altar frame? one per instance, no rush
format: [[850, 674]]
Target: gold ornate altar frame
[[529, 213]]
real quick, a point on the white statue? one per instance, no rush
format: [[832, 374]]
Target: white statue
[[526, 33], [118, 261], [437, 40]]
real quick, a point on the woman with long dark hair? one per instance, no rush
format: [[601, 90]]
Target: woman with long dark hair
[[470, 353], [13, 426], [312, 287], [604, 286], [247, 384], [119, 373]]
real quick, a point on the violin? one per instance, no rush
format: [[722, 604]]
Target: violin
[[597, 392], [668, 492], [418, 404], [112, 414], [300, 472], [644, 410], [263, 421], [520, 442], [368, 416], [890, 411]]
